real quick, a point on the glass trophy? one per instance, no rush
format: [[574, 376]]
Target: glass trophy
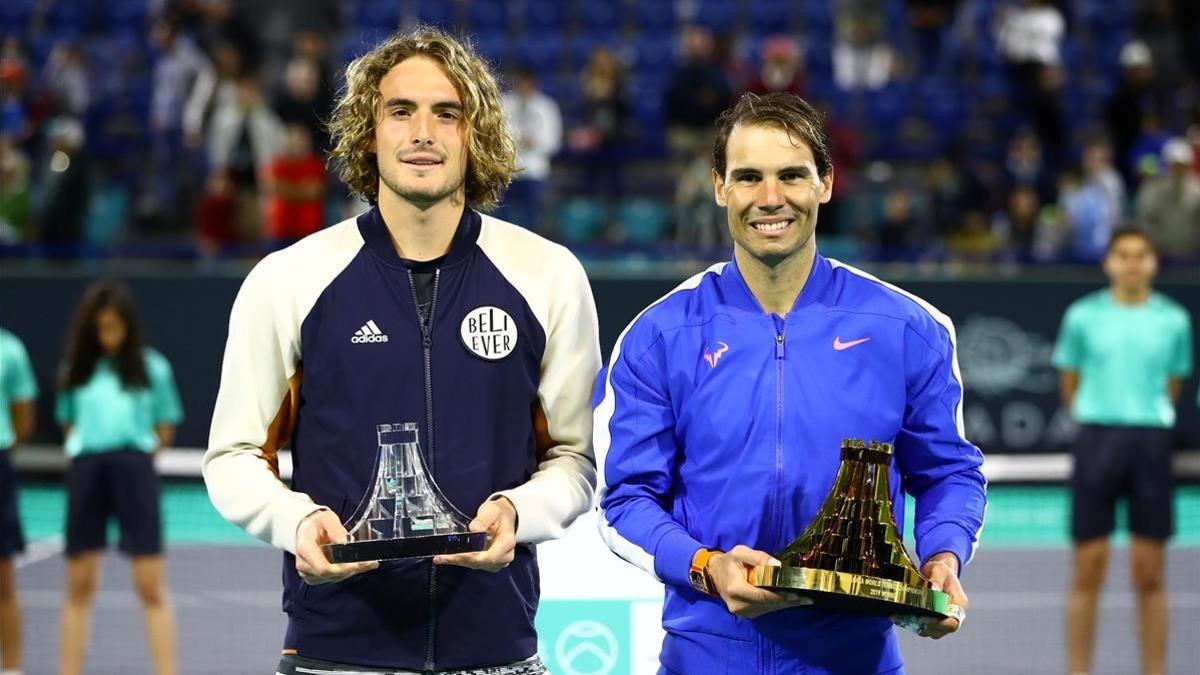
[[404, 515], [852, 558]]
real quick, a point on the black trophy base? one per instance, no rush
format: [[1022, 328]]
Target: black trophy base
[[410, 547]]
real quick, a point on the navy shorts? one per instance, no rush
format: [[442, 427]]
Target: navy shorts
[[119, 483], [1115, 462], [12, 541]]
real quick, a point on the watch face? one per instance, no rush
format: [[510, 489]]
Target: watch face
[[697, 579]]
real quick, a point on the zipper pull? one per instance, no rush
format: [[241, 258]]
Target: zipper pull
[[779, 345]]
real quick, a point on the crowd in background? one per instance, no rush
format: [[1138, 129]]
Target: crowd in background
[[978, 131]]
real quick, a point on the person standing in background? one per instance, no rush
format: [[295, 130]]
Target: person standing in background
[[18, 389], [537, 129], [117, 405], [1168, 205], [1122, 354]]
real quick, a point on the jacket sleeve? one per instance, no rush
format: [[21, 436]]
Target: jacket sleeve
[[940, 468], [563, 486], [638, 455], [239, 467]]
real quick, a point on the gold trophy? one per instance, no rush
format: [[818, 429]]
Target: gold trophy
[[852, 558]]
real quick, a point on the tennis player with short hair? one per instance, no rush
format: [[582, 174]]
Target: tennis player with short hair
[[1122, 353]]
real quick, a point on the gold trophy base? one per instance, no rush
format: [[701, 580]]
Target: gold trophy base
[[853, 593]]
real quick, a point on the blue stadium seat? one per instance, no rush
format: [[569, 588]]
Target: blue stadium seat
[[14, 15], [580, 220], [541, 52], [544, 15], [600, 18], [644, 220], [580, 49], [769, 17], [68, 16], [818, 18], [655, 17], [653, 55], [437, 12], [124, 15], [717, 15], [493, 46], [373, 14], [489, 16]]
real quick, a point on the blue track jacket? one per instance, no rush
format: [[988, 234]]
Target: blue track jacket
[[722, 425]]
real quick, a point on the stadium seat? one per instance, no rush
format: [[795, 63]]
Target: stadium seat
[[655, 17], [541, 52], [373, 14], [544, 15], [653, 55], [493, 46], [644, 221], [580, 220], [718, 16], [770, 17], [437, 13], [600, 18], [489, 16]]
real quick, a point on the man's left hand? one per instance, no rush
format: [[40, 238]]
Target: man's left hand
[[497, 517], [942, 572]]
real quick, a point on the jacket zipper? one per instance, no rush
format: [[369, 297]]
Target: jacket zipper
[[426, 348], [780, 355]]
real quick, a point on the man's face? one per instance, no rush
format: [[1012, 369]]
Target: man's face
[[1131, 263], [771, 191], [420, 136]]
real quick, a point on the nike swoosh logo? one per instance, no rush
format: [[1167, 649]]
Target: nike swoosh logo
[[839, 345]]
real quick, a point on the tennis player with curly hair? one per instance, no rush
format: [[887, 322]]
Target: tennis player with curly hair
[[421, 309]]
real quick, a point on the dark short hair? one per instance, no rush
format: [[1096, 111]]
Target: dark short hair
[[1125, 232], [783, 111]]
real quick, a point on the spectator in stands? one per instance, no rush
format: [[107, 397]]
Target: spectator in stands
[[294, 188], [1145, 158], [697, 91], [243, 138], [1135, 96], [1030, 39], [862, 57], [18, 394], [537, 129], [781, 69], [699, 221], [974, 241], [899, 235], [65, 81], [1122, 354], [66, 186], [1025, 165], [928, 19], [183, 83], [228, 65], [305, 98], [117, 405], [1089, 214], [14, 191], [14, 104], [600, 139], [953, 188], [1168, 205], [1026, 233]]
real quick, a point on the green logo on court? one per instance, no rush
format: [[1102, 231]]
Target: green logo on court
[[583, 637]]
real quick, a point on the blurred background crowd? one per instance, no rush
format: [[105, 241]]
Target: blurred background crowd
[[965, 131]]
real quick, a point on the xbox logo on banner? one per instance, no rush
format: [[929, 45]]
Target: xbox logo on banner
[[585, 637], [586, 648]]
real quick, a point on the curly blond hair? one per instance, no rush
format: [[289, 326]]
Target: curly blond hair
[[491, 152]]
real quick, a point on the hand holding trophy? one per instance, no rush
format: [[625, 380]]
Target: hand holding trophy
[[852, 558]]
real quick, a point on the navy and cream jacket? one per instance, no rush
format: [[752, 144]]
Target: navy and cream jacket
[[325, 343]]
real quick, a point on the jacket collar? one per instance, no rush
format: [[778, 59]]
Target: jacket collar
[[379, 241]]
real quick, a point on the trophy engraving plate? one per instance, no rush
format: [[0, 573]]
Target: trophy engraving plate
[[405, 514], [852, 558]]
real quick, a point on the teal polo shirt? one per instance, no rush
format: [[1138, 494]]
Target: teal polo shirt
[[1124, 355], [17, 383], [104, 415]]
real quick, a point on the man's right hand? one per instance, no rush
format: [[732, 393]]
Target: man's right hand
[[730, 574], [317, 529]]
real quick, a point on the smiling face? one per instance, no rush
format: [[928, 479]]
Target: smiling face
[[420, 137], [771, 190]]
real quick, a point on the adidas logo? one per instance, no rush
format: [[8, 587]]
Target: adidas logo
[[368, 333]]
